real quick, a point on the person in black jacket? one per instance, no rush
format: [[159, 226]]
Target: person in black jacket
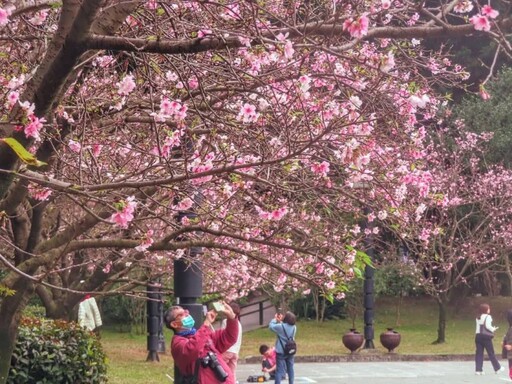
[[507, 343]]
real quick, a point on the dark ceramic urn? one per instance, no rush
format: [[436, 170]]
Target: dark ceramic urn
[[390, 339], [353, 340]]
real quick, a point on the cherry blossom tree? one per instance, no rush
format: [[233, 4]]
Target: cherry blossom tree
[[133, 131], [463, 228]]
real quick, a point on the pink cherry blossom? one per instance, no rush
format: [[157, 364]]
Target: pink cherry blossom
[[4, 16], [104, 61], [487, 10], [464, 6], [126, 86], [151, 4], [185, 204], [107, 267], [12, 98], [96, 149], [481, 23], [125, 212], [16, 82], [483, 93], [419, 101], [387, 62], [204, 32], [131, 21], [278, 214], [385, 4], [193, 83], [147, 241], [357, 28], [74, 146], [39, 17], [171, 76], [320, 168], [39, 192], [33, 128], [248, 114], [288, 50]]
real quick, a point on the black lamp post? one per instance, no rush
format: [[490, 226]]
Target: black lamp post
[[369, 302], [368, 299], [188, 286], [155, 337]]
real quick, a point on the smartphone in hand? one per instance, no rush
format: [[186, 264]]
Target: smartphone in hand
[[218, 306]]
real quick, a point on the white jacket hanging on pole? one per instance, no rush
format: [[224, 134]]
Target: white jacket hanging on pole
[[89, 314]]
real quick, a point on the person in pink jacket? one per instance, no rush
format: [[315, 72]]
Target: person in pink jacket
[[198, 352]]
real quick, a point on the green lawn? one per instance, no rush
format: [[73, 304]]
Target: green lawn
[[418, 328]]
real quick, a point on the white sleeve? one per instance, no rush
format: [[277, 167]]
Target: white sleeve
[[96, 312], [81, 314], [488, 324]]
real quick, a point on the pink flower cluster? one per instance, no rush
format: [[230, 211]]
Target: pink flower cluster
[[34, 126], [147, 241], [4, 16], [357, 28], [248, 114], [126, 86], [199, 166], [125, 212], [39, 17], [320, 168], [174, 108], [274, 215], [39, 192], [481, 21]]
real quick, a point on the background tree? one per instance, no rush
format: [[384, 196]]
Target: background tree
[[491, 116], [463, 230], [397, 278]]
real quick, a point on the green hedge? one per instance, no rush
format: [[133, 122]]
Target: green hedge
[[57, 352]]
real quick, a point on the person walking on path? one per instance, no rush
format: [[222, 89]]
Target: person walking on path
[[284, 327], [483, 340], [507, 343], [231, 355]]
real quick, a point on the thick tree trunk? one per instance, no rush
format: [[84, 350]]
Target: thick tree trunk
[[506, 262], [8, 332], [10, 314], [442, 302]]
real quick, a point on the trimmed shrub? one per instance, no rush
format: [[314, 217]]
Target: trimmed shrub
[[57, 352], [36, 311]]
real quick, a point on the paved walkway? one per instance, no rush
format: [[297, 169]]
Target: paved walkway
[[394, 372]]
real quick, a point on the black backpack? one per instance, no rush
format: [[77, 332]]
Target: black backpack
[[290, 347]]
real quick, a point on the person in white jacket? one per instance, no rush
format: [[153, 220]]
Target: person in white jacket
[[88, 314], [483, 340]]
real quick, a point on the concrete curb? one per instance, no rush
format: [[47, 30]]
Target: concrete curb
[[366, 357]]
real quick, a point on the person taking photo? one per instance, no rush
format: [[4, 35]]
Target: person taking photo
[[197, 353]]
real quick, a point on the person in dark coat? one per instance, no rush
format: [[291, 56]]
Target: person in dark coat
[[507, 343]]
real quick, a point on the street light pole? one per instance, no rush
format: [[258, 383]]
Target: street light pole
[[369, 302], [154, 318], [188, 286]]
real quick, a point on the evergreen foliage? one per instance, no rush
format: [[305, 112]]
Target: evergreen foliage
[[56, 352], [492, 115]]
